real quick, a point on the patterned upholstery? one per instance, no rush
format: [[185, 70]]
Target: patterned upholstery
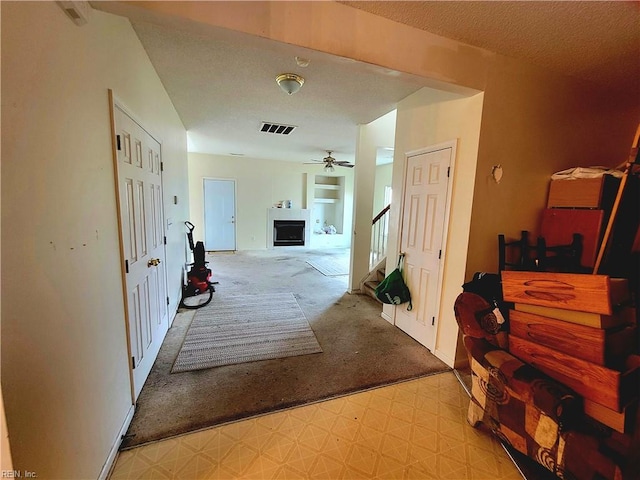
[[529, 411]]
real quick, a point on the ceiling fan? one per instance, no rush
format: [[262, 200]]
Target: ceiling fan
[[329, 162]]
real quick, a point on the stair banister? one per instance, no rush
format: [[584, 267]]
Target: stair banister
[[378, 249]]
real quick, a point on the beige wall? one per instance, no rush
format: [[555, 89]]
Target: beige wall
[[376, 134], [430, 117], [383, 178], [534, 124], [259, 185], [5, 449], [65, 375]]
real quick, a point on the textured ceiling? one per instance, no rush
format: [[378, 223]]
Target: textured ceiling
[[596, 40], [222, 82], [223, 85]]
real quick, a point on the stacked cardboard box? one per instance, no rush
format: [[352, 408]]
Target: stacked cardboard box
[[577, 329]]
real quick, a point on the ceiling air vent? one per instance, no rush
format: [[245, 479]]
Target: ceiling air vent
[[277, 128]]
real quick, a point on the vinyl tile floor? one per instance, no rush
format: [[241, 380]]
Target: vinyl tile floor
[[414, 429]]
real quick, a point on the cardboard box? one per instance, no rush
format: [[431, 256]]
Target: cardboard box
[[583, 192]]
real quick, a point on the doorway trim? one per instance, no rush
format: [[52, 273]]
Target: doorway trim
[[115, 102], [452, 144]]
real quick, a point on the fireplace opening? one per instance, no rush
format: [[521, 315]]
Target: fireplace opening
[[288, 232]]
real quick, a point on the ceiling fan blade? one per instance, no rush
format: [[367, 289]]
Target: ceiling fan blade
[[348, 165]]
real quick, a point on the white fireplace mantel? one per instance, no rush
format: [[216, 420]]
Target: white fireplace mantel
[[289, 214]]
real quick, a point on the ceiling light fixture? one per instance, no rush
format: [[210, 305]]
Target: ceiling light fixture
[[329, 168], [290, 83]]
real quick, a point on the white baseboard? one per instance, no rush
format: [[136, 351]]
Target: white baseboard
[[113, 453], [387, 317]]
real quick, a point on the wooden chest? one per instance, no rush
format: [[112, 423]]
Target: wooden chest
[[602, 347], [610, 388], [621, 316], [622, 422], [583, 192], [571, 291]]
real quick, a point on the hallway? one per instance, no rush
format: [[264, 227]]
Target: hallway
[[360, 350]]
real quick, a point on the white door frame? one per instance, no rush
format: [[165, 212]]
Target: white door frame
[[113, 103], [235, 208], [445, 231]]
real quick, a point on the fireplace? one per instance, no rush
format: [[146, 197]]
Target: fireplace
[[288, 232]]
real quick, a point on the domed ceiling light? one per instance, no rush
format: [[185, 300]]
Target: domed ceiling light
[[290, 83]]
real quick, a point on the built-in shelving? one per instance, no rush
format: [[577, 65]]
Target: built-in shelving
[[329, 197], [328, 201]]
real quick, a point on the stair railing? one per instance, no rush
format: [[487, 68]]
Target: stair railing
[[379, 236]]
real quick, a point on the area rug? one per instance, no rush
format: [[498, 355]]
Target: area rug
[[246, 328], [331, 266]]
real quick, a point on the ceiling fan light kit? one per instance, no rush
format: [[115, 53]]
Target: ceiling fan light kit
[[329, 163], [290, 83]]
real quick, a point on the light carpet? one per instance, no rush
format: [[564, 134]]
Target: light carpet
[[246, 328], [331, 266]]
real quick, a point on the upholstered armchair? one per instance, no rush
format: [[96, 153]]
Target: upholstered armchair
[[527, 410]]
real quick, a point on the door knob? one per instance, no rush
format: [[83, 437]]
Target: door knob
[[154, 262]]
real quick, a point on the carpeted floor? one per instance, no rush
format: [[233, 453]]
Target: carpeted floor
[[360, 350]]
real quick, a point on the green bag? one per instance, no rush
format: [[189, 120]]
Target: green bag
[[392, 289]]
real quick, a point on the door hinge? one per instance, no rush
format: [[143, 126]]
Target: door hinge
[[448, 171], [118, 145], [440, 254], [167, 300], [162, 166], [126, 266], [165, 240], [433, 321], [133, 362]]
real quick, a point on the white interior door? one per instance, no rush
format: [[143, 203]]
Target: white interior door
[[142, 235], [423, 226], [219, 214]]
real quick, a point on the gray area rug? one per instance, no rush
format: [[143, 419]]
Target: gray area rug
[[331, 266], [246, 328]]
